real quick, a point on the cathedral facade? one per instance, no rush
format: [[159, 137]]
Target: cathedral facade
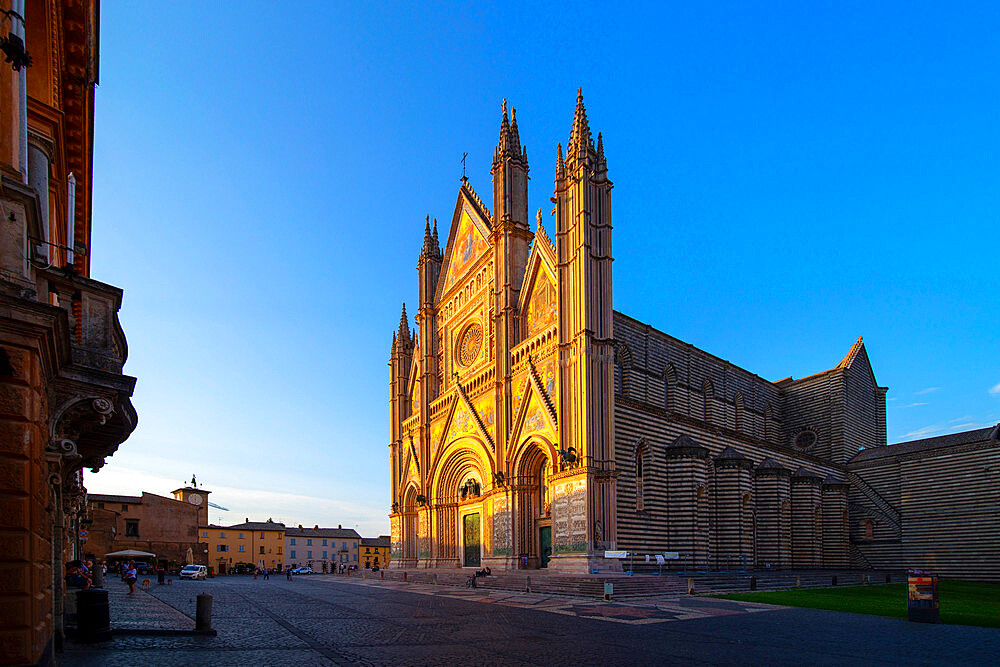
[[533, 426]]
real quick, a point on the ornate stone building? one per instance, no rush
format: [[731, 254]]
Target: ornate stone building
[[534, 426], [64, 401]]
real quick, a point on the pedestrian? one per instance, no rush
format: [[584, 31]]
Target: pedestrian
[[267, 573], [130, 576]]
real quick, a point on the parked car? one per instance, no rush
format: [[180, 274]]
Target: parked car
[[142, 567], [194, 572], [302, 570]]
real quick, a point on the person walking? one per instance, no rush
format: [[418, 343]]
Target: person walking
[[267, 574], [130, 576]]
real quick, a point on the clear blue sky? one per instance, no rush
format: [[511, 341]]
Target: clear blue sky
[[788, 177]]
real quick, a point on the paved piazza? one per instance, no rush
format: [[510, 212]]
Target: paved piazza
[[326, 620]]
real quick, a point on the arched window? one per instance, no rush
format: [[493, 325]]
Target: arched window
[[623, 363], [640, 456], [708, 393], [738, 402], [543, 486], [669, 388], [868, 529]]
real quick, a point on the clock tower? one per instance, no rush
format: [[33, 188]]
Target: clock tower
[[197, 496]]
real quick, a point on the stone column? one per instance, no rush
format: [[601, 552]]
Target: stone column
[[836, 548], [805, 536], [731, 483], [686, 500], [772, 524]]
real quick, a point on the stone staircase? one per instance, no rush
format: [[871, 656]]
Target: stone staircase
[[643, 585]]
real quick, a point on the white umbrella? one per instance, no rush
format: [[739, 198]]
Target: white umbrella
[[129, 553]]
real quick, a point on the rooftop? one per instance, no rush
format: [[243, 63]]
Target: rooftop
[[926, 444]]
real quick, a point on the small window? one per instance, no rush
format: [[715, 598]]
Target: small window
[[291, 541], [241, 536], [262, 549], [309, 554], [309, 542], [324, 555], [291, 554], [279, 551], [222, 533], [262, 536], [241, 548], [131, 528], [355, 546], [100, 506], [324, 543], [355, 556], [124, 508], [868, 528]]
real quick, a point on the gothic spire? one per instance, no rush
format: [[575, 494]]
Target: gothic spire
[[515, 137], [434, 236], [428, 248], [579, 138], [560, 163], [404, 327], [602, 164]]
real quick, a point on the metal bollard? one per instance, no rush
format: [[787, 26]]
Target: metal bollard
[[93, 616], [753, 583], [98, 577], [203, 617]]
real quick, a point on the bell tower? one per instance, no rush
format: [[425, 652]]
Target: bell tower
[[197, 496], [586, 337], [511, 239]]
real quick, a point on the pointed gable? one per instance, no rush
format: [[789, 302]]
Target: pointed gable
[[538, 291], [467, 239]]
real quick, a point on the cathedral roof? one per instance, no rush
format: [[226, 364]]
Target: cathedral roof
[[771, 467], [729, 454], [938, 442], [805, 473]]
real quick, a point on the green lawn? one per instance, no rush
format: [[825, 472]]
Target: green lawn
[[961, 602]]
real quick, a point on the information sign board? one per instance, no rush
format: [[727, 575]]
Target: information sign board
[[616, 554], [922, 597]]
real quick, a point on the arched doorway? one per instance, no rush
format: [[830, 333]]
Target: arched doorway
[[410, 526], [532, 499], [458, 491]]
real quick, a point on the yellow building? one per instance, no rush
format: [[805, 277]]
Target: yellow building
[[374, 551], [260, 543]]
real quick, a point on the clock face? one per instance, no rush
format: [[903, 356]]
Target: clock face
[[194, 499]]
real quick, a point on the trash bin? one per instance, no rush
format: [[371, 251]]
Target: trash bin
[[93, 615]]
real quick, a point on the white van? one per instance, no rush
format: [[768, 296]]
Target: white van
[[194, 572]]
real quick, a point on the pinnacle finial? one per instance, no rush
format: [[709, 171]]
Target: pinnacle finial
[[560, 162], [404, 325], [579, 138], [538, 219]]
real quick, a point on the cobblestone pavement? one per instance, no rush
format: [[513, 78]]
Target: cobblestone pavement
[[142, 610], [321, 620]]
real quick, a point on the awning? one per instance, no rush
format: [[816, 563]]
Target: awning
[[130, 553]]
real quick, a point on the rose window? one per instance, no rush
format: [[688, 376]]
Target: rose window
[[470, 344]]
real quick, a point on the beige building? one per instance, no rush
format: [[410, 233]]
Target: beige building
[[322, 549], [167, 527], [374, 552], [257, 543]]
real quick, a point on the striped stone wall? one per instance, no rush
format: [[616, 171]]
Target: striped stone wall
[[932, 504]]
